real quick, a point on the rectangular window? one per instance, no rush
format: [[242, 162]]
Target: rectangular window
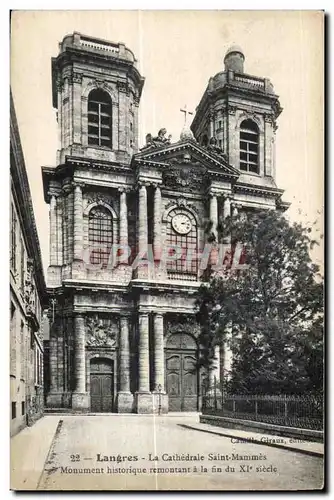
[[13, 228], [13, 410], [23, 407]]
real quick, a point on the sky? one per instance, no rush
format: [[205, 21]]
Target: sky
[[177, 52]]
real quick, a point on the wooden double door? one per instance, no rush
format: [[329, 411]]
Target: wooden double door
[[181, 373], [101, 385]]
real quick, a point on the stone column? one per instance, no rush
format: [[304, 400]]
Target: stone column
[[144, 402], [143, 351], [157, 250], [135, 124], [124, 396], [211, 118], [232, 137], [54, 398], [123, 218], [76, 107], [159, 359], [60, 230], [53, 230], [59, 117], [160, 398], [66, 113], [78, 223], [124, 347], [53, 363], [65, 228], [122, 116], [227, 213], [214, 213], [80, 399], [142, 220]]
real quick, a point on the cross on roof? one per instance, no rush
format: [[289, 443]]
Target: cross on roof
[[186, 112]]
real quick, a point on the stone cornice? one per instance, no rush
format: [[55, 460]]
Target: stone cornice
[[228, 89], [68, 169], [150, 163], [258, 190], [21, 191], [165, 286], [76, 54]]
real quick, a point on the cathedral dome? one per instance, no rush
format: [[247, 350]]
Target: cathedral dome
[[234, 59], [234, 48]]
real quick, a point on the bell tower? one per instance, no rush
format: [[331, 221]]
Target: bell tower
[[96, 89], [238, 114]]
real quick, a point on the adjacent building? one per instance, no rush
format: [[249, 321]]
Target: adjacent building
[[28, 295], [123, 335]]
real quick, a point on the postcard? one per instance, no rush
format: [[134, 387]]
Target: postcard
[[166, 250]]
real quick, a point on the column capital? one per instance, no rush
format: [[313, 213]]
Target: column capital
[[67, 188], [77, 77], [76, 184], [211, 114], [212, 193], [122, 86], [158, 314], [231, 110], [141, 184], [54, 193], [143, 313], [125, 314], [124, 189], [124, 319]]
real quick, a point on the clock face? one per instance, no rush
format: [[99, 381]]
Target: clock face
[[181, 223]]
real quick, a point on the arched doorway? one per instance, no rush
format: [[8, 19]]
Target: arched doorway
[[101, 385], [181, 373]]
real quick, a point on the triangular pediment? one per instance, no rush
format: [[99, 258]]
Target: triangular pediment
[[187, 154]]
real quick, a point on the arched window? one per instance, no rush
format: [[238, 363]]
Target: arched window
[[249, 146], [100, 235], [182, 243], [99, 118]]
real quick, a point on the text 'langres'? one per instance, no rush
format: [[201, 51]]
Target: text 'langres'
[[182, 457]]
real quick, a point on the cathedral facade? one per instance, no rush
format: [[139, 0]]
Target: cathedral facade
[[127, 225]]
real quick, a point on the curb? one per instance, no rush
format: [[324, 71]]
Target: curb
[[49, 456], [257, 441]]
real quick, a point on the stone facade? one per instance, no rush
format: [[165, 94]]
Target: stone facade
[[27, 295], [123, 335]]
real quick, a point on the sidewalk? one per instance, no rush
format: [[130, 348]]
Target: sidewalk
[[28, 452], [292, 444]]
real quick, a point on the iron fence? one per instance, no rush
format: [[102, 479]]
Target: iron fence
[[304, 412]]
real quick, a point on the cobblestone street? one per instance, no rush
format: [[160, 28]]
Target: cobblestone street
[[115, 452]]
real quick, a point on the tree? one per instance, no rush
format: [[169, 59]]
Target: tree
[[275, 304]]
